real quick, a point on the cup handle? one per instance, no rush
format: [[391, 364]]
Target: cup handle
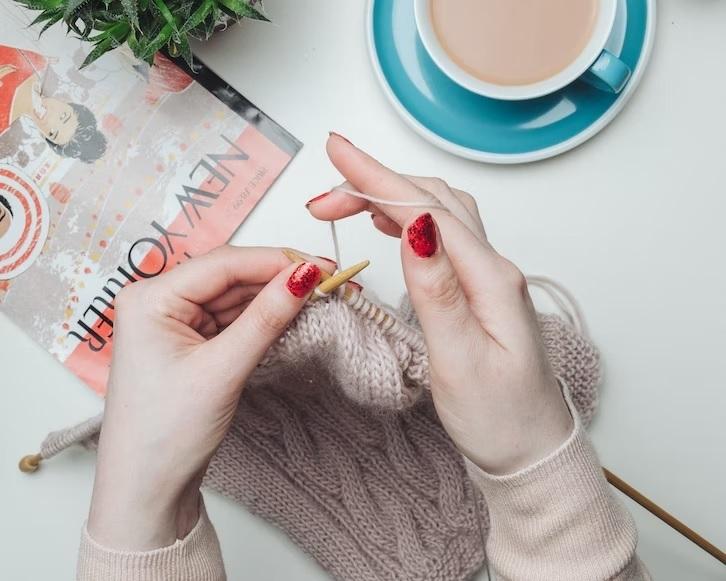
[[607, 73]]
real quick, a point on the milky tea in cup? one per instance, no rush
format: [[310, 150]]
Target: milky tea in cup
[[514, 49], [513, 42]]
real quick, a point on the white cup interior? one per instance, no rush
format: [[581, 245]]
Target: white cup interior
[[601, 31]]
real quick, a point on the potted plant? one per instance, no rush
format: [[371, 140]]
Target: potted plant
[[146, 26]]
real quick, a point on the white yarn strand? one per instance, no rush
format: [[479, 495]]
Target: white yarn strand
[[433, 204]]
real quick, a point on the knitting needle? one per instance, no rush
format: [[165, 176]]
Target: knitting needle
[[337, 280], [324, 276], [665, 516]]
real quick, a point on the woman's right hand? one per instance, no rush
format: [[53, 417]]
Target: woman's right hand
[[492, 384]]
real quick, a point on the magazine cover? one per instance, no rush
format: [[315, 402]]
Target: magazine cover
[[111, 174]]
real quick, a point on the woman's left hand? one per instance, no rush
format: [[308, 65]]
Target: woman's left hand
[[184, 344]]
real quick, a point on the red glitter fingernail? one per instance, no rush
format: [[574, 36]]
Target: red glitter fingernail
[[316, 198], [422, 236], [303, 279], [339, 135]]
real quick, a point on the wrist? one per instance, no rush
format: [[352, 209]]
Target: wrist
[[137, 515], [538, 425]]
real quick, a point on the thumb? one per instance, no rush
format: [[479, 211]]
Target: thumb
[[434, 287], [244, 342]]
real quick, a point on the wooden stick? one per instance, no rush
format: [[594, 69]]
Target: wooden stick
[[295, 257], [665, 516], [337, 280]]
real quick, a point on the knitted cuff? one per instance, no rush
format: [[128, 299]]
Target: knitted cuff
[[197, 557], [557, 519]]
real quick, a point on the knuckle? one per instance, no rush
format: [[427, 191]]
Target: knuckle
[[269, 321], [126, 298], [443, 290], [469, 200], [512, 277], [221, 251]]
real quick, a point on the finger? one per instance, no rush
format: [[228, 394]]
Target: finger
[[496, 293], [386, 225], [233, 297], [435, 290], [336, 204], [208, 326], [458, 202], [368, 175], [203, 279], [245, 341], [226, 317]]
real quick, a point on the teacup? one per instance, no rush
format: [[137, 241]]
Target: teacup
[[590, 61]]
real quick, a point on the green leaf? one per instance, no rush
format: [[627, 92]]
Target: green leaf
[[166, 13], [57, 17], [131, 11], [101, 48], [72, 7], [186, 52], [198, 16], [43, 16], [40, 4], [242, 9], [155, 45]]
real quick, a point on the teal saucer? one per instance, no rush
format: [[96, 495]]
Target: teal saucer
[[489, 130]]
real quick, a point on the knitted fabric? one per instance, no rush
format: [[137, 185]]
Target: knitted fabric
[[336, 441]]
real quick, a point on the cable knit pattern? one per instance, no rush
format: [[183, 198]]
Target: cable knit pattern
[[336, 442]]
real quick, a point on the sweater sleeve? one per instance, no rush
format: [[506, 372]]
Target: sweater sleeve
[[558, 519], [197, 557]]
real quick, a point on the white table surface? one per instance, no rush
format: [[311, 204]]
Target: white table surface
[[632, 222]]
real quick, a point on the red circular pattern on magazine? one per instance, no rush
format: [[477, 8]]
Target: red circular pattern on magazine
[[31, 211]]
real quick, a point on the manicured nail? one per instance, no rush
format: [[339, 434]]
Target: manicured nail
[[422, 235], [330, 260], [373, 216], [316, 198], [303, 279], [339, 135]]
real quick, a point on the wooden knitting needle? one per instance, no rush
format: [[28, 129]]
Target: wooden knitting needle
[[665, 516], [324, 276], [337, 280]]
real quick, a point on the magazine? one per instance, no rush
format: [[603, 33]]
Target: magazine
[[111, 174]]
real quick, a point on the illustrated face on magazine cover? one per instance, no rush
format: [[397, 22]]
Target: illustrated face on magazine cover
[[6, 216], [70, 129]]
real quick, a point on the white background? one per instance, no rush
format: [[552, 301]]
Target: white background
[[632, 222]]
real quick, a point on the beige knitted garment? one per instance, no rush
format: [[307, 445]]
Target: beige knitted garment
[[336, 442]]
